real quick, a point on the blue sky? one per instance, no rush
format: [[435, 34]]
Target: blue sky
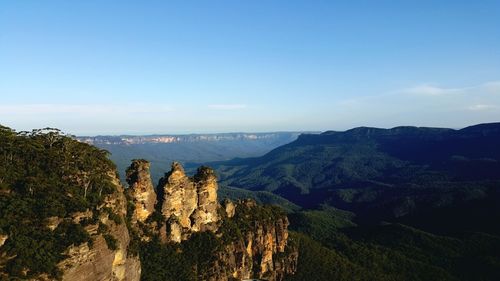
[[111, 67]]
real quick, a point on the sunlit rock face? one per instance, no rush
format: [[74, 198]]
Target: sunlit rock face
[[188, 204], [141, 190], [99, 263], [263, 251], [205, 216]]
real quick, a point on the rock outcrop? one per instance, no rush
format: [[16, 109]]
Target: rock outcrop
[[205, 217], [141, 190], [229, 208], [188, 204], [100, 262], [263, 251]]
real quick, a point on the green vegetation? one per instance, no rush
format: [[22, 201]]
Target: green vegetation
[[324, 220], [43, 175], [247, 216], [333, 249], [188, 261], [261, 197], [111, 242], [164, 262]]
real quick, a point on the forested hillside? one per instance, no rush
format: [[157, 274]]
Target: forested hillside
[[45, 179], [382, 173]]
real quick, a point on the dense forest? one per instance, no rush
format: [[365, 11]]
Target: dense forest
[[332, 247]]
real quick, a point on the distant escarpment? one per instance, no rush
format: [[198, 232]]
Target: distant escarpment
[[200, 239], [66, 216]]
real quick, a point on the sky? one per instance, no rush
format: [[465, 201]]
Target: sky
[[94, 67]]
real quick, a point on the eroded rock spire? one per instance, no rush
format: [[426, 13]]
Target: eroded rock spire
[[188, 204], [141, 189]]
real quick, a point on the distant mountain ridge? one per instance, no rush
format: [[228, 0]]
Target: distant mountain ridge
[[162, 149], [388, 172], [174, 138], [480, 129]]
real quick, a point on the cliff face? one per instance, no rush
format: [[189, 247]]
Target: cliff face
[[252, 240], [99, 262], [102, 261], [262, 250], [96, 261]]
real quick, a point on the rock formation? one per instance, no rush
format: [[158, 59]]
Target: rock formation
[[141, 190], [263, 251], [259, 248], [229, 208], [205, 216], [188, 204], [99, 262]]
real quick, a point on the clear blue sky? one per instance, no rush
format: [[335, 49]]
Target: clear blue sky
[[110, 67]]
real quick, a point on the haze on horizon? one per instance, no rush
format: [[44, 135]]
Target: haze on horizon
[[134, 67]]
